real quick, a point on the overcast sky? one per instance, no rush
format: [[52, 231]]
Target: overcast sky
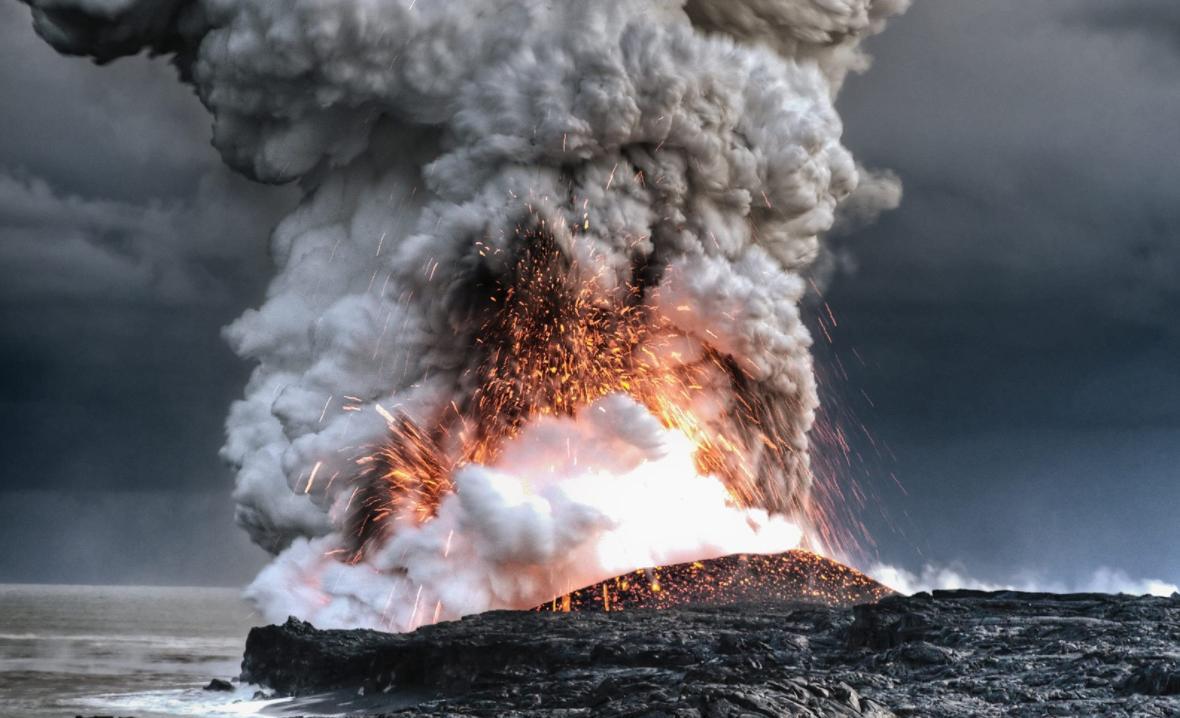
[[1018, 318]]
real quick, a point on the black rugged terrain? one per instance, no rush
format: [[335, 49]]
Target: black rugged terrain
[[953, 653]]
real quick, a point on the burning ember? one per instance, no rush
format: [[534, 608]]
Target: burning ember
[[552, 341]]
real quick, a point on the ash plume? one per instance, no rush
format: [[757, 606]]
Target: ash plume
[[532, 230]]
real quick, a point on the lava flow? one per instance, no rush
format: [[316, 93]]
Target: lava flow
[[795, 576]]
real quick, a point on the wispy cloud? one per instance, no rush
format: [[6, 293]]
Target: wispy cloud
[[932, 577]]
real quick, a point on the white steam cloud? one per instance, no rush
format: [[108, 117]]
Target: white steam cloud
[[932, 577], [620, 492], [683, 151]]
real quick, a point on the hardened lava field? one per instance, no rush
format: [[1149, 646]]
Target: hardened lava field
[[794, 576]]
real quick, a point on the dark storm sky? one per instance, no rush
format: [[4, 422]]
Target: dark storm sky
[[1019, 316]]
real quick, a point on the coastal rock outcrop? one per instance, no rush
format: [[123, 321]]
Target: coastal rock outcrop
[[950, 653]]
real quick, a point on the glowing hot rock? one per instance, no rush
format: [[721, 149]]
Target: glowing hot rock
[[570, 501]]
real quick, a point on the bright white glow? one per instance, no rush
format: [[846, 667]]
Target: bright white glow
[[571, 502]]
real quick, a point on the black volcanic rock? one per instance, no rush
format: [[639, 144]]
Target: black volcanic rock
[[953, 653], [1154, 678]]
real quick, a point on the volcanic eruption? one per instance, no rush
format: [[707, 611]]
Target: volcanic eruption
[[536, 323]]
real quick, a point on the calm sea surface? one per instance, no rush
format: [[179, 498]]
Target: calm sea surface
[[123, 651]]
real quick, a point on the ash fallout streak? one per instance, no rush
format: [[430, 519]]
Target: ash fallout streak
[[537, 320]]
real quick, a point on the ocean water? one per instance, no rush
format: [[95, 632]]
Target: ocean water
[[122, 651]]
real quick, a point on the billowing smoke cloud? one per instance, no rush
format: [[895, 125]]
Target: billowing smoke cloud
[[657, 172]]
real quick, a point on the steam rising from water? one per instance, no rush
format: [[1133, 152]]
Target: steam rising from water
[[683, 158], [588, 498]]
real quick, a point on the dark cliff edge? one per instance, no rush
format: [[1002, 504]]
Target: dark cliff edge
[[953, 653]]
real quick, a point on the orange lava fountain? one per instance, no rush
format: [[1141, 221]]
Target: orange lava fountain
[[553, 338]]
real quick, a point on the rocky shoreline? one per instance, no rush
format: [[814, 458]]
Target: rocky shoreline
[[953, 653]]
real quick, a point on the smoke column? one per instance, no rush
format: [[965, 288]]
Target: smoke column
[[537, 320]]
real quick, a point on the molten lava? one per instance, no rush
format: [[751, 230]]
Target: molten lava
[[795, 576]]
